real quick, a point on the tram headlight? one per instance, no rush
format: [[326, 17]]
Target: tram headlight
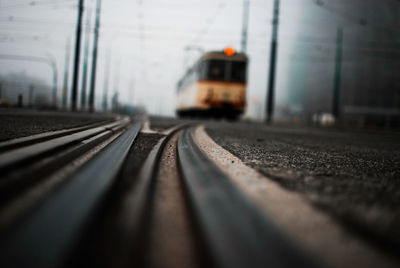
[[229, 51]]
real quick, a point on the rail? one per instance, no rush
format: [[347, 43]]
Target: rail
[[237, 234], [44, 238]]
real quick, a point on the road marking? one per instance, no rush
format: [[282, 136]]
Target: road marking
[[308, 227], [146, 128]]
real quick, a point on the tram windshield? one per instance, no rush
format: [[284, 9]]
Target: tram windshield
[[222, 70], [238, 71], [216, 70]]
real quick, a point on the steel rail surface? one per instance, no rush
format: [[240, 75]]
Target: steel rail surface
[[236, 233], [22, 179], [24, 141], [47, 235], [135, 208], [11, 159]]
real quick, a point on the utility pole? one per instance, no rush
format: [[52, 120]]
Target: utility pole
[[115, 102], [20, 101], [272, 63], [106, 81], [75, 79], [85, 62], [337, 77], [116, 77], [66, 73], [338, 56], [245, 25], [53, 65], [30, 96], [94, 57], [131, 91]]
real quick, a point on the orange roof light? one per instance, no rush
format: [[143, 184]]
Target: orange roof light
[[229, 51]]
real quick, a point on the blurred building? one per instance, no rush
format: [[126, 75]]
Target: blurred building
[[355, 44]]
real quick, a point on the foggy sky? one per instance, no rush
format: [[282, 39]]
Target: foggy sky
[[146, 41]]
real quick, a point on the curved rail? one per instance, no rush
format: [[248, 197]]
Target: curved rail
[[135, 208], [45, 236], [44, 158], [236, 233], [25, 141], [10, 159]]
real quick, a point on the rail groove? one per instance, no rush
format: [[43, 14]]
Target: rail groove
[[26, 168], [24, 141], [10, 159], [136, 204], [236, 233], [45, 237]]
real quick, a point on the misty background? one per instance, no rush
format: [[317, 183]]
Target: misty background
[[145, 47]]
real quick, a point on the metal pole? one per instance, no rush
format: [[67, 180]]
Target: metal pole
[[55, 85], [66, 73], [85, 63], [106, 81], [30, 96], [337, 76], [20, 101], [94, 57], [75, 79], [272, 64], [131, 92], [115, 102], [116, 79], [53, 65], [245, 25]]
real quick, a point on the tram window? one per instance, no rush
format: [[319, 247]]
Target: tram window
[[202, 70], [179, 85], [238, 73], [216, 69]]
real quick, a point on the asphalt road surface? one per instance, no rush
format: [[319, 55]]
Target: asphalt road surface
[[353, 175], [16, 123]]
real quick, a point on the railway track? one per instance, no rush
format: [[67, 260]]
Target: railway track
[[27, 164], [177, 209]]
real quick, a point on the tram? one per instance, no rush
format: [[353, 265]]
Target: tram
[[215, 86]]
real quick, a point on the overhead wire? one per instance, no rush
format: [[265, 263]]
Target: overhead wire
[[209, 22], [34, 4]]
